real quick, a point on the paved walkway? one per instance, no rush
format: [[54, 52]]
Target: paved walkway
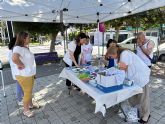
[[42, 70], [55, 68], [60, 108]]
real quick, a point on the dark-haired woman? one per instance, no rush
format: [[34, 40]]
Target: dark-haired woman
[[73, 54], [19, 91], [111, 61]]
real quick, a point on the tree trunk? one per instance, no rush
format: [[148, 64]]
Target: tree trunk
[[80, 27], [117, 33], [161, 31], [52, 44]]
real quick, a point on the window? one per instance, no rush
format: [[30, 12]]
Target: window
[[107, 37], [129, 42], [155, 34], [92, 39], [148, 33], [134, 40], [122, 37]]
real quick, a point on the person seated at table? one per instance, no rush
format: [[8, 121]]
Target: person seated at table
[[111, 61], [87, 52], [73, 54], [137, 71]]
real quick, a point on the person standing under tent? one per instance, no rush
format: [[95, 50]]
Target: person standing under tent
[[19, 91], [25, 70], [145, 53], [137, 71], [87, 52], [111, 61], [73, 55]]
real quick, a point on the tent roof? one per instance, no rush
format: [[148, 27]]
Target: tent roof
[[74, 11]]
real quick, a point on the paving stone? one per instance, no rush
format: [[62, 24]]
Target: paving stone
[[76, 114], [15, 119], [162, 119], [111, 121], [44, 121], [159, 122], [156, 116], [56, 121], [152, 121], [5, 121], [70, 110], [17, 122], [95, 121], [86, 122], [161, 112], [88, 116], [62, 113], [80, 119], [4, 117]]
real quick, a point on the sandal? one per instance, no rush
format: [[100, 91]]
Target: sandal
[[28, 114], [34, 107]]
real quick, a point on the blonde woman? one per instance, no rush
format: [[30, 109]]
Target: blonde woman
[[138, 71], [25, 70]]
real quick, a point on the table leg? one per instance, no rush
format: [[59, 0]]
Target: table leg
[[125, 116], [104, 120], [70, 89]]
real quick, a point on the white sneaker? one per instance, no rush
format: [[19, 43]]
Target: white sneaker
[[20, 103]]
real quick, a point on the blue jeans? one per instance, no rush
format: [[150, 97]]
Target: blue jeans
[[19, 92]]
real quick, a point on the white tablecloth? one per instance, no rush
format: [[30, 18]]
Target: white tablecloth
[[101, 98]]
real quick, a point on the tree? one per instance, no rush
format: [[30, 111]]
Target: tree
[[116, 23], [84, 27], [149, 19], [43, 28]]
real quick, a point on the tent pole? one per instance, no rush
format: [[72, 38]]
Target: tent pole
[[103, 44], [7, 32], [99, 63], [63, 31]]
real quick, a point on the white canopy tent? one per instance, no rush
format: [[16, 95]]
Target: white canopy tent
[[74, 11]]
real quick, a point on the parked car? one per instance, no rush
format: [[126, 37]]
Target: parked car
[[158, 51], [161, 52], [58, 42], [130, 43]]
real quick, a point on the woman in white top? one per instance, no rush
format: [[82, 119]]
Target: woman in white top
[[19, 91], [25, 70], [87, 52], [73, 54], [137, 71]]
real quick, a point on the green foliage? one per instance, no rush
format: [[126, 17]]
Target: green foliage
[[84, 27], [73, 35], [149, 19], [36, 27], [116, 23]]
